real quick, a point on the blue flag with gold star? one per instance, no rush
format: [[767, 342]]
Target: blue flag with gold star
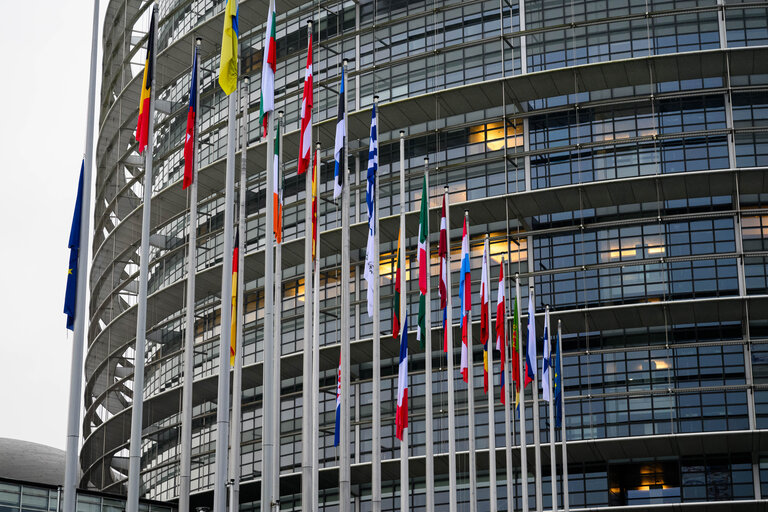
[[70, 297], [557, 381]]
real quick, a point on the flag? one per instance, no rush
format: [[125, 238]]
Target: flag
[[501, 335], [515, 346], [306, 114], [189, 141], [423, 263], [142, 126], [401, 414], [530, 355], [396, 298], [338, 149], [228, 61], [370, 199], [485, 314], [233, 327], [268, 68], [277, 197], [337, 432], [314, 208], [465, 294], [546, 361], [557, 387], [70, 296], [442, 252]]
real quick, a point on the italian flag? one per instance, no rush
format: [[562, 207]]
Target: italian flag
[[269, 66]]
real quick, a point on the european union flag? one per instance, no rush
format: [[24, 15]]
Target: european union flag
[[70, 297], [557, 381]]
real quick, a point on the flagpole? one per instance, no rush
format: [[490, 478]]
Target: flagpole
[[521, 392], [536, 427], [316, 351], [185, 469], [344, 476], [450, 377], [471, 400], [278, 315], [376, 435], [491, 397], [552, 452], [509, 384], [134, 465], [566, 505], [308, 382], [430, 485], [404, 487], [71, 467]]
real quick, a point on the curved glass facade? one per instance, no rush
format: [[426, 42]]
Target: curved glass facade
[[616, 152]]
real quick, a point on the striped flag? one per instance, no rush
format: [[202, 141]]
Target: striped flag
[[306, 115], [277, 196], [401, 414], [501, 335], [465, 293], [445, 296], [314, 208], [530, 355], [546, 361], [396, 298], [338, 148], [268, 68], [485, 318], [233, 326], [189, 141], [228, 61], [142, 125], [370, 198], [423, 263], [337, 431]]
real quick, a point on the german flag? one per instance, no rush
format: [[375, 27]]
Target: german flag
[[142, 127], [233, 331]]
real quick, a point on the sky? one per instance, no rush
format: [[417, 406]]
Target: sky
[[42, 140]]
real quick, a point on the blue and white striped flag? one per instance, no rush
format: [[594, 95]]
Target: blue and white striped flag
[[338, 150], [370, 197]]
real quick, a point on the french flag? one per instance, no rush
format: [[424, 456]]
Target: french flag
[[401, 415], [337, 432], [465, 293]]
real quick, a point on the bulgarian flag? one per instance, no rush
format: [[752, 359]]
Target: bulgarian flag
[[501, 338], [268, 69], [306, 114], [277, 205], [485, 314], [396, 298], [421, 334]]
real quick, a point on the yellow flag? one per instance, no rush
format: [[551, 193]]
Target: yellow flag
[[228, 65]]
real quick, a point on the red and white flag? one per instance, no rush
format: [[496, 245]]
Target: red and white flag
[[401, 413], [501, 337], [305, 151], [485, 317]]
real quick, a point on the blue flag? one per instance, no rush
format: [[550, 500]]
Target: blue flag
[[70, 297], [557, 387], [338, 149]]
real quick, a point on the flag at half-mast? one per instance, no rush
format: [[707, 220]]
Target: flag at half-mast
[[501, 335], [557, 380], [233, 323], [268, 68], [337, 430], [396, 297], [465, 294], [423, 264], [546, 361], [338, 147], [305, 151], [485, 318], [401, 413], [370, 199], [70, 296], [228, 62], [314, 207], [277, 197], [189, 140], [530, 355], [444, 292], [142, 126]]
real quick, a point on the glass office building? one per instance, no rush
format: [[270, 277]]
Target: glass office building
[[616, 153]]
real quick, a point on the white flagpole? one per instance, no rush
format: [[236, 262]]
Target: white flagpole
[[566, 505], [71, 467], [185, 469], [428, 364], [316, 353], [508, 395], [376, 435], [278, 314], [344, 475], [450, 376], [552, 452], [536, 428], [491, 397], [404, 487], [521, 391], [134, 465], [471, 398], [222, 407], [308, 382]]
